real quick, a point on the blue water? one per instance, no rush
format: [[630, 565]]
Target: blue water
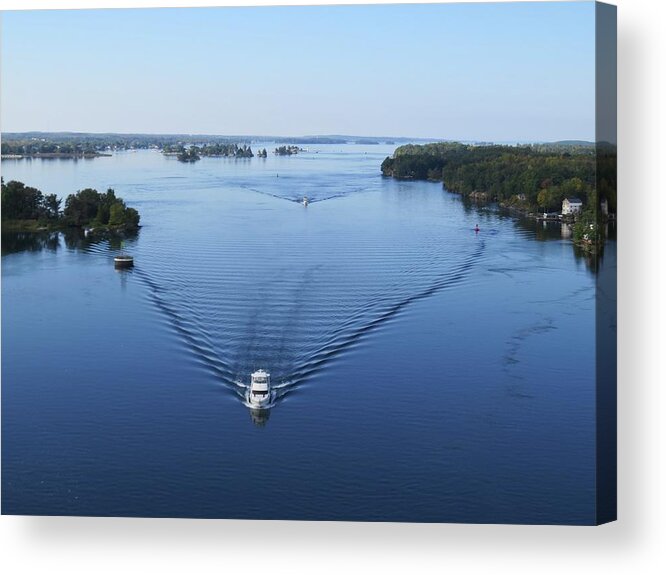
[[424, 372]]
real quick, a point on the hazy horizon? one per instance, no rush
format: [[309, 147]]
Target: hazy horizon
[[519, 72], [268, 137]]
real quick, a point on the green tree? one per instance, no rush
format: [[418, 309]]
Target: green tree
[[132, 217], [104, 210], [21, 202], [52, 206], [117, 214], [586, 228], [122, 215], [81, 208]]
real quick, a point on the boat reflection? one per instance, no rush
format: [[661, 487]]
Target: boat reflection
[[260, 416]]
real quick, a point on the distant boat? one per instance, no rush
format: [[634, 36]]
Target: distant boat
[[305, 201], [259, 392], [123, 261]]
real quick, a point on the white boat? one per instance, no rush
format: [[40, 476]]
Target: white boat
[[305, 201], [259, 392]]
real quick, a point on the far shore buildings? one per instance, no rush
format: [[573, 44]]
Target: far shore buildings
[[571, 206]]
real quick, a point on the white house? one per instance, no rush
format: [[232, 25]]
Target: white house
[[571, 206]]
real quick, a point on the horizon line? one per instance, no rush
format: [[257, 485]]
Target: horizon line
[[267, 137]]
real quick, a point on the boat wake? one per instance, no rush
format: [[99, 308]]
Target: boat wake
[[381, 311], [335, 342], [292, 303], [311, 199]]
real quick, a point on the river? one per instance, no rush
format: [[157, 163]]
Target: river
[[424, 372]]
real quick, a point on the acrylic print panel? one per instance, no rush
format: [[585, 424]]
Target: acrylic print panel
[[317, 263]]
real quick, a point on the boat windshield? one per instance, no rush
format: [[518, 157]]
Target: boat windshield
[[260, 392]]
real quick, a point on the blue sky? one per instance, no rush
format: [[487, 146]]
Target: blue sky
[[500, 72]]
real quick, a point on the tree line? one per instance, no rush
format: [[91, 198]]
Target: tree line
[[86, 207], [287, 150], [31, 143], [21, 202], [37, 148], [529, 177], [194, 152], [227, 150]]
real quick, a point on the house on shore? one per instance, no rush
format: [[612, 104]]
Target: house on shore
[[571, 206]]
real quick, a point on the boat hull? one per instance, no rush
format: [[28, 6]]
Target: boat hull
[[253, 403], [123, 262]]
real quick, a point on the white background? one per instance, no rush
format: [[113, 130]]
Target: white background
[[634, 544]]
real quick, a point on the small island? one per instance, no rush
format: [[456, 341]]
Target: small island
[[194, 152], [190, 154], [27, 209], [287, 150], [19, 149]]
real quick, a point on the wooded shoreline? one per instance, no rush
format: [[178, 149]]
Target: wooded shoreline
[[531, 180], [27, 209], [55, 155]]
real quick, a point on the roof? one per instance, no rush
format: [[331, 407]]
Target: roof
[[573, 200]]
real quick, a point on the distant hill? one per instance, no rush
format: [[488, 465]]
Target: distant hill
[[110, 140], [197, 138], [572, 143]]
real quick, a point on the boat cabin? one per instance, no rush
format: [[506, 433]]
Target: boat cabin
[[260, 381], [260, 388]]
